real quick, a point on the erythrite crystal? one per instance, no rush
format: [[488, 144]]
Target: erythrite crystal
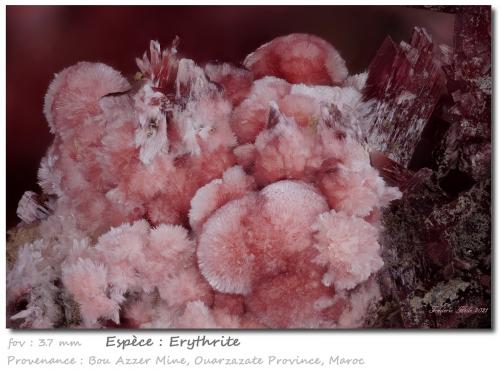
[[405, 81], [235, 81], [251, 115], [467, 145], [298, 58], [234, 184], [437, 237], [348, 246], [208, 196]]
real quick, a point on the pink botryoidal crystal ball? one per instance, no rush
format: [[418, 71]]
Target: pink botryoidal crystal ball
[[205, 196]]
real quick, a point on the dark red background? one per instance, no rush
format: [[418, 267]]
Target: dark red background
[[42, 40]]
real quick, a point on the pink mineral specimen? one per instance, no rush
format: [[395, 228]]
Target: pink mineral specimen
[[205, 196], [348, 246], [298, 58], [250, 117]]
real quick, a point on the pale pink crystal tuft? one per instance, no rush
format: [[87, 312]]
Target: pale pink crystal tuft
[[348, 247]]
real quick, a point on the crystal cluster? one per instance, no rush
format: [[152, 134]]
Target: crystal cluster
[[437, 241], [283, 193], [204, 196]]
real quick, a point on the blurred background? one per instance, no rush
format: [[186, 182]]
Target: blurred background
[[42, 40]]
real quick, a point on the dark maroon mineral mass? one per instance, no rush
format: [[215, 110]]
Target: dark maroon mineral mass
[[431, 136]]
